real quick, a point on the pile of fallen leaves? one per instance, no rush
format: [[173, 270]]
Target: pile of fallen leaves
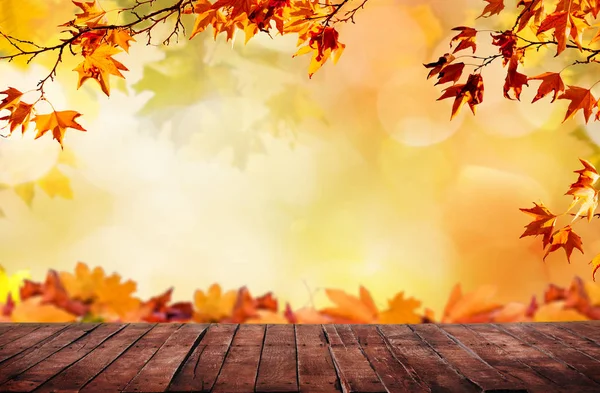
[[92, 296]]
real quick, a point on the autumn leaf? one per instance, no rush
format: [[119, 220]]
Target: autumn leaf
[[92, 13], [551, 82], [466, 38], [349, 308], [56, 183], [120, 37], [557, 312], [493, 8], [323, 43], [35, 310], [587, 176], [470, 93], [12, 99], [532, 9], [99, 65], [474, 307], [514, 79], [10, 284], [114, 299], [567, 239], [595, 262], [543, 223], [20, 116], [580, 99], [439, 65], [400, 310], [57, 123], [451, 73], [83, 283], [214, 305], [557, 21]]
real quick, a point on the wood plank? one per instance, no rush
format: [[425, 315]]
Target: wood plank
[[79, 373], [25, 342], [238, 374], [434, 371], [43, 349], [496, 357], [156, 375], [587, 329], [588, 367], [200, 370], [58, 361], [21, 331], [277, 370], [465, 361], [558, 372], [353, 368], [119, 373], [316, 372], [391, 372], [568, 337], [6, 326]]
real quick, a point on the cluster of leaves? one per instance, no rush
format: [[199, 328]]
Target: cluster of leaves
[[567, 20], [95, 41], [90, 295], [544, 222]]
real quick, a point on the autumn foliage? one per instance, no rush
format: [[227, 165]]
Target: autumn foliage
[[95, 37], [558, 26], [92, 295]]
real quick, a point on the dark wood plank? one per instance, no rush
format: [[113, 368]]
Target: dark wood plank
[[434, 371], [316, 372], [587, 329], [392, 373], [119, 373], [6, 326], [496, 357], [238, 374], [58, 361], [79, 373], [42, 350], [353, 368], [21, 331], [156, 375], [568, 337], [25, 342], [277, 371], [558, 372], [557, 350], [466, 362], [200, 370]]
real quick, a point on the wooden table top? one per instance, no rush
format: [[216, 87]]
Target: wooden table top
[[140, 357]]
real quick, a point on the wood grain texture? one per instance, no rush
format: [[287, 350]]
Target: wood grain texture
[[144, 357]]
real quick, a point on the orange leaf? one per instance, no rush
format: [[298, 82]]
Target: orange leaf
[[580, 99], [595, 262], [567, 239], [57, 122], [551, 82], [466, 38], [493, 8], [401, 310], [470, 93], [543, 223], [557, 21], [350, 308], [214, 305]]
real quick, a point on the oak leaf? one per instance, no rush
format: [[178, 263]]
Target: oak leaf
[[580, 99], [567, 239], [551, 82]]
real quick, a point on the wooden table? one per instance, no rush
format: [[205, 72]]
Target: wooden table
[[139, 357]]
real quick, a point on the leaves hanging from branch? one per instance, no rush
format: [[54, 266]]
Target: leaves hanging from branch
[[96, 39], [559, 27]]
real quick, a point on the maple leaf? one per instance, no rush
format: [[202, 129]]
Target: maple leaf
[[557, 312], [595, 262], [466, 38], [439, 65], [55, 183], [214, 305], [12, 99], [120, 37], [551, 82], [470, 93], [83, 283], [114, 298], [543, 223], [20, 116], [494, 7], [92, 13], [580, 99], [567, 239], [588, 175], [514, 79], [323, 43], [57, 122], [532, 9], [10, 284], [349, 308], [474, 307], [158, 309], [589, 198], [35, 310], [506, 43], [400, 310], [98, 65], [451, 73]]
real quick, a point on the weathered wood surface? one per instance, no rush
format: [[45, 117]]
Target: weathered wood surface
[[90, 357]]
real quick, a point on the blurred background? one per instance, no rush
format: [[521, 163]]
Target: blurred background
[[220, 163]]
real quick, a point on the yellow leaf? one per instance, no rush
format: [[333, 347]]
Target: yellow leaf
[[114, 298], [401, 310], [214, 305], [350, 307], [57, 122], [55, 183], [32, 310], [84, 283], [595, 265], [26, 192], [593, 291], [10, 284], [67, 157], [556, 312]]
